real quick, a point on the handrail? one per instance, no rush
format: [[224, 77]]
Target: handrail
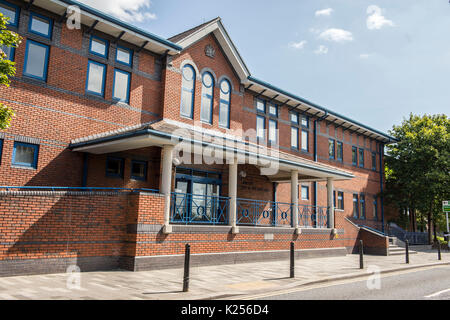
[[51, 188], [374, 230]]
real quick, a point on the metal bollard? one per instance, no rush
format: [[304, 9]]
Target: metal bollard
[[361, 254], [187, 257], [439, 251], [407, 251], [292, 260]]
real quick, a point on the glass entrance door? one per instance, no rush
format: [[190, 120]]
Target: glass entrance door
[[196, 197]]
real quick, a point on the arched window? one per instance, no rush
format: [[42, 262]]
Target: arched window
[[224, 108], [207, 97], [187, 91]]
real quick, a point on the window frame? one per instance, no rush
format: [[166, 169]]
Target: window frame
[[355, 152], [130, 51], [228, 103], [275, 106], [297, 116], [15, 8], [105, 41], [258, 138], [25, 63], [374, 161], [205, 95], [145, 163], [307, 193], [50, 25], [127, 100], [340, 199], [361, 163], [22, 164], [102, 94], [362, 209], [303, 117], [264, 104], [1, 150], [297, 147], [122, 167], [191, 91], [276, 131], [341, 145], [355, 200], [12, 53], [307, 141], [375, 208], [333, 156]]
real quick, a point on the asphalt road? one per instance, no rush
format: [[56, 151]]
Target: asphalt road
[[429, 284]]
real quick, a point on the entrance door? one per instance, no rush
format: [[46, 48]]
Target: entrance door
[[196, 198]]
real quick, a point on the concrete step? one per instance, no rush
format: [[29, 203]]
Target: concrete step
[[400, 251]]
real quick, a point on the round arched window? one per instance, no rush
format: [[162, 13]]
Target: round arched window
[[225, 86], [188, 72], [207, 80]]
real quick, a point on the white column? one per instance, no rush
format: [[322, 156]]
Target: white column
[[330, 203], [232, 193], [294, 199], [166, 185]]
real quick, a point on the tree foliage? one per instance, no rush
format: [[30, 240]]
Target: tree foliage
[[7, 68], [418, 167]]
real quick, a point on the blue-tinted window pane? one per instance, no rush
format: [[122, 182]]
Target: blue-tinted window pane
[[114, 167], [260, 128], [139, 170], [331, 149], [294, 117], [40, 25], [123, 56], [9, 51], [224, 107], [305, 193], [305, 140], [10, 12], [36, 59], [99, 46], [25, 155], [361, 158], [273, 110], [260, 106], [305, 122], [207, 97], [187, 91], [96, 78], [121, 85]]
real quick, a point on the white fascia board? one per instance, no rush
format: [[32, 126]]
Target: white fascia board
[[119, 28]]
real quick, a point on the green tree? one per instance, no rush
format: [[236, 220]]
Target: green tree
[[418, 168], [7, 67]]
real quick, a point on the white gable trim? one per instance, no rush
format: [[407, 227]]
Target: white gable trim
[[216, 28]]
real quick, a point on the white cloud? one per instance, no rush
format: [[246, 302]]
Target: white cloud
[[324, 12], [298, 45], [364, 56], [127, 10], [336, 35], [376, 20], [321, 50]]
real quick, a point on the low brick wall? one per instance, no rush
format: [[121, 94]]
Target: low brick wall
[[44, 232], [374, 243]]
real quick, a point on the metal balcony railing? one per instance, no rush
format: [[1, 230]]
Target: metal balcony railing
[[263, 213], [199, 209], [313, 216]]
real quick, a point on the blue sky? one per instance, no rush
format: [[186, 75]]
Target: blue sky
[[374, 61]]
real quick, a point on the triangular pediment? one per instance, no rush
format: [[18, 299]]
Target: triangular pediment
[[187, 38]]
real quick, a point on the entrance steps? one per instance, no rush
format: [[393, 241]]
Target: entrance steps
[[397, 247]]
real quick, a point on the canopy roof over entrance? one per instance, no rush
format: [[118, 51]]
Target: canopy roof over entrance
[[276, 164]]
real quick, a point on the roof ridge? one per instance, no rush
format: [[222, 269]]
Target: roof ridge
[[188, 32]]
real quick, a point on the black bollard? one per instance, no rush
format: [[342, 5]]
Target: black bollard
[[361, 254], [187, 257], [292, 260], [439, 251], [407, 251]]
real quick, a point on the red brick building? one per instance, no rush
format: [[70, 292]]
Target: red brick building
[[125, 146]]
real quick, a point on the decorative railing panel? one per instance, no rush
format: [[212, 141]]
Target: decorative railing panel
[[263, 213], [199, 209], [312, 216]]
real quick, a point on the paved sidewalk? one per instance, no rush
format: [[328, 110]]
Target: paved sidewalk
[[214, 282]]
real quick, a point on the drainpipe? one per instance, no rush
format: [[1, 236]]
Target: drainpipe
[[381, 185]]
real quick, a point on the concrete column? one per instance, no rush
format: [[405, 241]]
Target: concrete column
[[330, 203], [294, 200], [166, 185], [232, 193]]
